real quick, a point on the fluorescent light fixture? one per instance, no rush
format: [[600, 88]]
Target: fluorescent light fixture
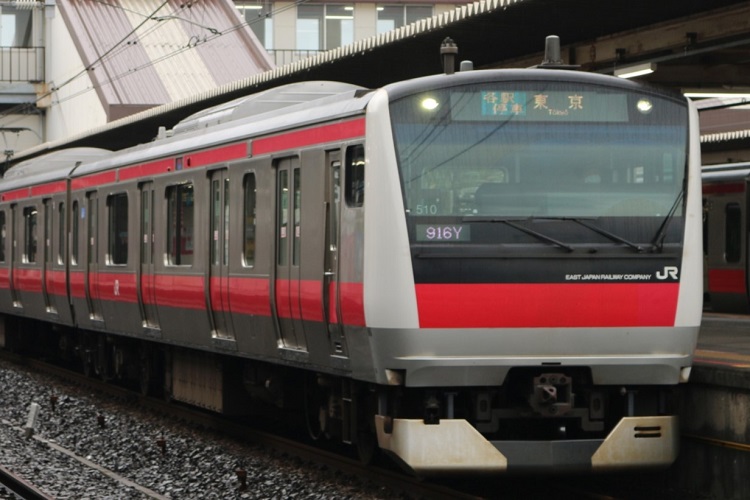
[[717, 95], [635, 70]]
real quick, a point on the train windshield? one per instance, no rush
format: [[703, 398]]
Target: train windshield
[[540, 150]]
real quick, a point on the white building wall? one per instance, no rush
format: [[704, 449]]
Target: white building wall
[[285, 26], [365, 20], [74, 107]]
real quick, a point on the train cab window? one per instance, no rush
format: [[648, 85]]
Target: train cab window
[[733, 232], [117, 247], [248, 218], [180, 225], [30, 234], [3, 232], [354, 191]]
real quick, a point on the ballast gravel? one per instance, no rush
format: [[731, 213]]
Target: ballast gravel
[[88, 447]]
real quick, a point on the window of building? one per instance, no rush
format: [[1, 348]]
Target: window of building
[[354, 191], [15, 27], [117, 247], [391, 17], [324, 26], [259, 17], [249, 220], [180, 224], [30, 234]]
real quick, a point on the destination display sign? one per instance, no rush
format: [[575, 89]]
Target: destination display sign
[[526, 105]]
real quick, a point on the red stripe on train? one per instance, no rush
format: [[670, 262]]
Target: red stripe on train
[[251, 296], [327, 133], [547, 305], [146, 169]]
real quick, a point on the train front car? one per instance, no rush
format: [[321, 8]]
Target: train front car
[[532, 270]]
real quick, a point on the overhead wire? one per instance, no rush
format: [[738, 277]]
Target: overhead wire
[[121, 46]]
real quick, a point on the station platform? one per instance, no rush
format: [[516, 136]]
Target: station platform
[[714, 459], [722, 357]]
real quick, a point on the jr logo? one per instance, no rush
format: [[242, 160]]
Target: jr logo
[[668, 272]]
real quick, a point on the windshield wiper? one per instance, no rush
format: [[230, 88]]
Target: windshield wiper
[[612, 236], [514, 225], [658, 242]]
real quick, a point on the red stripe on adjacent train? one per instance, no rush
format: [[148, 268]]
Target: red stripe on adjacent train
[[547, 305], [726, 281], [318, 135], [725, 187]]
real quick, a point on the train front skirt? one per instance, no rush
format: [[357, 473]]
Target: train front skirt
[[455, 446]]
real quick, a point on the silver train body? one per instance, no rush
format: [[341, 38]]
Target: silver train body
[[481, 272]]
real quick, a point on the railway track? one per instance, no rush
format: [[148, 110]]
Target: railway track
[[292, 449], [392, 479], [15, 486]]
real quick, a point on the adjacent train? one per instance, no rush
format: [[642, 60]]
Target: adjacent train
[[725, 237], [484, 271]]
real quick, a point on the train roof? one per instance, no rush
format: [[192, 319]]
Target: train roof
[[50, 167], [407, 87], [293, 105]]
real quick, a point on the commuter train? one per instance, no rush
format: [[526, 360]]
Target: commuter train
[[486, 271], [725, 237]]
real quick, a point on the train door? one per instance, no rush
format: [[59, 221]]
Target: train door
[[330, 277], [92, 260], [218, 280], [146, 273], [287, 282]]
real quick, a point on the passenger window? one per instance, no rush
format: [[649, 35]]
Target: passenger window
[[74, 234], [180, 225], [30, 234], [2, 236], [355, 176], [117, 248], [248, 218], [61, 233], [733, 232]]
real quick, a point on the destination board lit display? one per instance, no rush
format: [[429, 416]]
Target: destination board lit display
[[526, 105]]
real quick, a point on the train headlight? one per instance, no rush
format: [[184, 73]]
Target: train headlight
[[430, 103], [644, 106]]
